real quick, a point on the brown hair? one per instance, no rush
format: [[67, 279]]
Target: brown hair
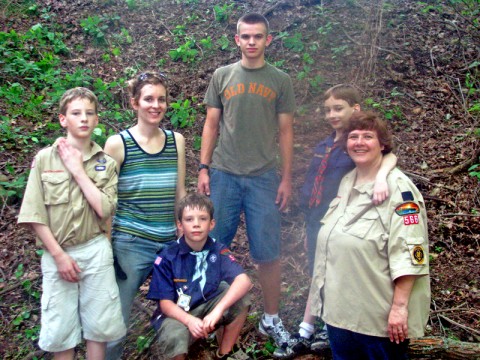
[[253, 18], [368, 120], [136, 84], [344, 92], [77, 93], [194, 201]]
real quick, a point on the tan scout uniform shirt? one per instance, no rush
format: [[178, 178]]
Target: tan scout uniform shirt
[[358, 258], [53, 198]]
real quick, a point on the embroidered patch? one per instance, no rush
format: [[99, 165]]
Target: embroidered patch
[[407, 196], [102, 160], [418, 254], [232, 258], [158, 260], [212, 258], [100, 168], [180, 280], [225, 251], [410, 219], [407, 209]]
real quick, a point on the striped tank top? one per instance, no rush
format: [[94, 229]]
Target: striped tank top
[[146, 190]]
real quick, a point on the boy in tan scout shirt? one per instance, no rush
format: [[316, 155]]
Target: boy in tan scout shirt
[[70, 194]]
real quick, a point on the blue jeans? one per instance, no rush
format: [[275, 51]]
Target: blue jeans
[[349, 345], [135, 256], [255, 196]]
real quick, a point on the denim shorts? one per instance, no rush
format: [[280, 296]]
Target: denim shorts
[[255, 196]]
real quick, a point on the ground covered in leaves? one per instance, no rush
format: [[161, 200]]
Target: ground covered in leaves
[[415, 62]]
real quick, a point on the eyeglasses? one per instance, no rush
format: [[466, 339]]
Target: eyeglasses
[[144, 76]]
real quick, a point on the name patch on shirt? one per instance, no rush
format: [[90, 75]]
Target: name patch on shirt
[[407, 208], [180, 280], [100, 168], [158, 260]]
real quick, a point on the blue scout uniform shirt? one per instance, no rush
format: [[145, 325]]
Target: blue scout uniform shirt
[[173, 273], [338, 165]]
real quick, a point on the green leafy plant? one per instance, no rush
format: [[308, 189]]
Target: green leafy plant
[[131, 4], [474, 171], [294, 42], [182, 114], [223, 42], [95, 27], [223, 12], [186, 52]]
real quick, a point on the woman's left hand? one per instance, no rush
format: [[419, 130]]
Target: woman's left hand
[[380, 192], [398, 323]]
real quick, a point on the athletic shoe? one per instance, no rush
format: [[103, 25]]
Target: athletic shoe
[[277, 332], [302, 345], [320, 340]]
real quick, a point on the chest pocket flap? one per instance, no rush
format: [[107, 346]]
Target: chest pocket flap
[[56, 188], [361, 227]]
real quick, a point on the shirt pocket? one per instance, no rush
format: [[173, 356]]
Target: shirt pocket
[[55, 188], [362, 226]]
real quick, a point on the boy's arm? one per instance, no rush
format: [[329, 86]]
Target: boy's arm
[[73, 160], [285, 139], [194, 324], [67, 267], [380, 189], [238, 289], [209, 139]]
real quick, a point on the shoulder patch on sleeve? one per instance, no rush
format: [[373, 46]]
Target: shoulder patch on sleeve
[[418, 255], [158, 260]]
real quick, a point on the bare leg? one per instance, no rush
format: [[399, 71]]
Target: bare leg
[[180, 357], [307, 316], [231, 332], [64, 355], [269, 275], [96, 350]]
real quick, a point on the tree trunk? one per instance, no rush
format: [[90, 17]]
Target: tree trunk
[[442, 348]]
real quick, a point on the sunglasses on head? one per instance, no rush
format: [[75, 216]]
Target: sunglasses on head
[[144, 76]]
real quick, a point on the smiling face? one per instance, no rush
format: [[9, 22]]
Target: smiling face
[[152, 103], [80, 118], [196, 223], [338, 112], [252, 40], [364, 147]]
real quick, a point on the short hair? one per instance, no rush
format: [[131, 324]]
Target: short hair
[[368, 120], [77, 93], [136, 84], [253, 18], [344, 92], [194, 201]]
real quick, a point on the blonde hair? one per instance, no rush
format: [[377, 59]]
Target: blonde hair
[[77, 93]]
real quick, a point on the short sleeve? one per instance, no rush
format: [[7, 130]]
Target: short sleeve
[[33, 209], [162, 286], [230, 267]]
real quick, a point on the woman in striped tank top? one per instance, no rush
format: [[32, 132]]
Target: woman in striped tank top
[[151, 166]]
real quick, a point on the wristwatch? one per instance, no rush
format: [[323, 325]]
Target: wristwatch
[[203, 166]]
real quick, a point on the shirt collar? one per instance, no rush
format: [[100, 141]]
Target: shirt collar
[[185, 249], [94, 149]]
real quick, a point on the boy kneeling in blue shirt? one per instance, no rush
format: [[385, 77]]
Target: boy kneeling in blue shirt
[[199, 285]]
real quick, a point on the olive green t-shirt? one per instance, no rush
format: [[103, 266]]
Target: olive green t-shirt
[[250, 100]]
